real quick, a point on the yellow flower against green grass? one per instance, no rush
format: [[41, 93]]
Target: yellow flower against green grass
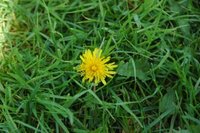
[[95, 68]]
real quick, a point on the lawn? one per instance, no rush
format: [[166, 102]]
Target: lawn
[[155, 87]]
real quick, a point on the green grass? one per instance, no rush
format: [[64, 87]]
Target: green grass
[[156, 44]]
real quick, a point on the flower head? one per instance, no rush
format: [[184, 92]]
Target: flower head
[[94, 67]]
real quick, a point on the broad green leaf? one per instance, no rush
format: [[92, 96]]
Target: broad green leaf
[[133, 68], [194, 128], [167, 102]]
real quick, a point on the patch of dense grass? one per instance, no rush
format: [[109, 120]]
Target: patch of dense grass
[[154, 42]]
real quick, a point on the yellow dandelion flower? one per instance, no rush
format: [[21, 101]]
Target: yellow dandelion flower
[[95, 68]]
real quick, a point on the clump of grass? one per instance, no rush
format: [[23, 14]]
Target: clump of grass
[[155, 44]]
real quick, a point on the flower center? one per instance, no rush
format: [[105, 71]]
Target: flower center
[[94, 68]]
